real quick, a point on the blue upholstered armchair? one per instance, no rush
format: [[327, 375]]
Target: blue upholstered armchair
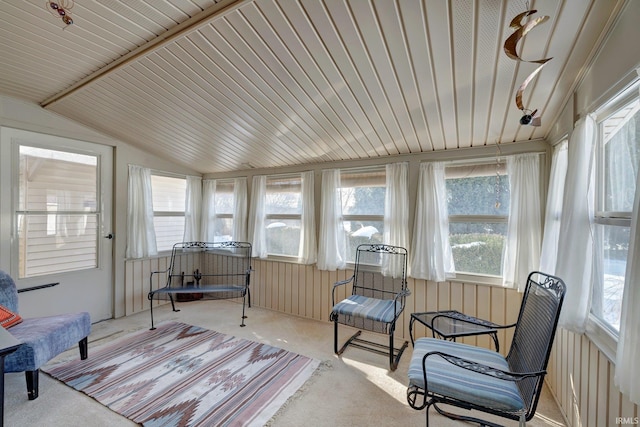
[[42, 338]]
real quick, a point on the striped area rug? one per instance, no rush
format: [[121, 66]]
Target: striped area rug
[[183, 375]]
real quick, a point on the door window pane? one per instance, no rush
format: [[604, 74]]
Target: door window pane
[[57, 213]]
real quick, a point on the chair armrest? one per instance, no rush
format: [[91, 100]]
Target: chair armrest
[[151, 278], [335, 285], [405, 293], [479, 368]]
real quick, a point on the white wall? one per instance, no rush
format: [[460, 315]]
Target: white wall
[[615, 63], [28, 116]]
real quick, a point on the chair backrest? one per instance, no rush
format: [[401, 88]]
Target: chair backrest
[[534, 332], [229, 259], [8, 292], [380, 271], [228, 263]]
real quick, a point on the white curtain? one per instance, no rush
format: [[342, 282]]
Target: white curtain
[[209, 214], [524, 231], [141, 236], [575, 241], [396, 205], [396, 214], [332, 248], [431, 257], [207, 229], [257, 216], [628, 351], [240, 209], [549, 251], [192, 209], [307, 253]]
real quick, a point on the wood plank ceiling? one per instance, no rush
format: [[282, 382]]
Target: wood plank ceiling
[[226, 85]]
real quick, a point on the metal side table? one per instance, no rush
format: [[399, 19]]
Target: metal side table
[[452, 324]]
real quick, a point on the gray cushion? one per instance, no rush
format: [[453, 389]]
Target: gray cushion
[[368, 308], [42, 338], [449, 380]]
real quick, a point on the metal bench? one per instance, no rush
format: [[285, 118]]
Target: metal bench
[[205, 270]]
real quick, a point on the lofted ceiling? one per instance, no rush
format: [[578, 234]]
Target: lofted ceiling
[[228, 85]]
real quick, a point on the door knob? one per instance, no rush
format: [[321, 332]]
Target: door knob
[[109, 236]]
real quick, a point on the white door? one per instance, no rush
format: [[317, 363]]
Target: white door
[[59, 243]]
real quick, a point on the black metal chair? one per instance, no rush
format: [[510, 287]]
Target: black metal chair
[[470, 377], [378, 293]]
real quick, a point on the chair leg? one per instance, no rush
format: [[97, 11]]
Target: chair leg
[[244, 299], [460, 417], [347, 342], [84, 348], [394, 358], [32, 384]]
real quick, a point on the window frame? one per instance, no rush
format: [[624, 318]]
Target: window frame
[[599, 331], [377, 169], [227, 216], [283, 217], [499, 164], [168, 214], [20, 266]]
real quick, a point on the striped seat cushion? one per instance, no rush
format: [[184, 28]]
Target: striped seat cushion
[[368, 308], [452, 381]]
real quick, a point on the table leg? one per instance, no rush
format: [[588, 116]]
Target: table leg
[[411, 329]]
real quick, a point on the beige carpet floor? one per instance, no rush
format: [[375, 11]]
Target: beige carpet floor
[[356, 389]]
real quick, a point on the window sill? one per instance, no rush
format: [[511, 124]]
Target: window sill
[[281, 258], [479, 279], [606, 341]]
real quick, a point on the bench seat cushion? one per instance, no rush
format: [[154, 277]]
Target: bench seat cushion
[[368, 308], [449, 380]]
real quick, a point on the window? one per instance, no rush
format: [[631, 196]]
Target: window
[[57, 213], [478, 205], [363, 194], [283, 215], [224, 206], [617, 163], [168, 209]]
